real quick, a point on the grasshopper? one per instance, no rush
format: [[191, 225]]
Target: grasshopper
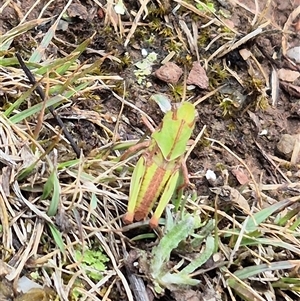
[[161, 170]]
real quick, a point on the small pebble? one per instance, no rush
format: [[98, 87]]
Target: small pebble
[[285, 146], [169, 73], [198, 77]]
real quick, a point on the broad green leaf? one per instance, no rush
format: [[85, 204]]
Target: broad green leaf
[[169, 242], [208, 6], [93, 262], [170, 279]]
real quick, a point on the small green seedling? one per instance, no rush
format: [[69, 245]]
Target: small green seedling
[[161, 170]]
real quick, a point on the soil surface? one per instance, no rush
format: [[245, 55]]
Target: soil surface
[[252, 115]]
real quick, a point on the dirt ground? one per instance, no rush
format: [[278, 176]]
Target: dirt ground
[[255, 113], [251, 126]]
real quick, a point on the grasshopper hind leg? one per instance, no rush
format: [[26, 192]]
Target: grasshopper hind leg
[[128, 218], [165, 199]]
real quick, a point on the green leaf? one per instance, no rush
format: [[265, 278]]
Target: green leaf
[[26, 171], [55, 196], [75, 54], [169, 242], [252, 271], [198, 238], [206, 7], [202, 258], [93, 262], [57, 238], [57, 63], [94, 201], [170, 279], [270, 242], [48, 187]]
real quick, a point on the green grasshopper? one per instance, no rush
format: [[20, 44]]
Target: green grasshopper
[[161, 170]]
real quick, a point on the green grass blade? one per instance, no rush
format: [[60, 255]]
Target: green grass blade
[[57, 64], [270, 242], [252, 271], [52, 210], [18, 102], [78, 51], [48, 187], [39, 51], [13, 61], [259, 217], [53, 101], [24, 173], [57, 238]]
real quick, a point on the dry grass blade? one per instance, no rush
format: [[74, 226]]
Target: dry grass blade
[[274, 86], [286, 27], [193, 9], [5, 4], [61, 216], [136, 20], [240, 42], [7, 38], [207, 95], [4, 222], [243, 163], [119, 273], [296, 151], [27, 252], [271, 160]]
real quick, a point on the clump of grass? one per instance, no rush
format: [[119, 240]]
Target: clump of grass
[[62, 196], [58, 206]]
